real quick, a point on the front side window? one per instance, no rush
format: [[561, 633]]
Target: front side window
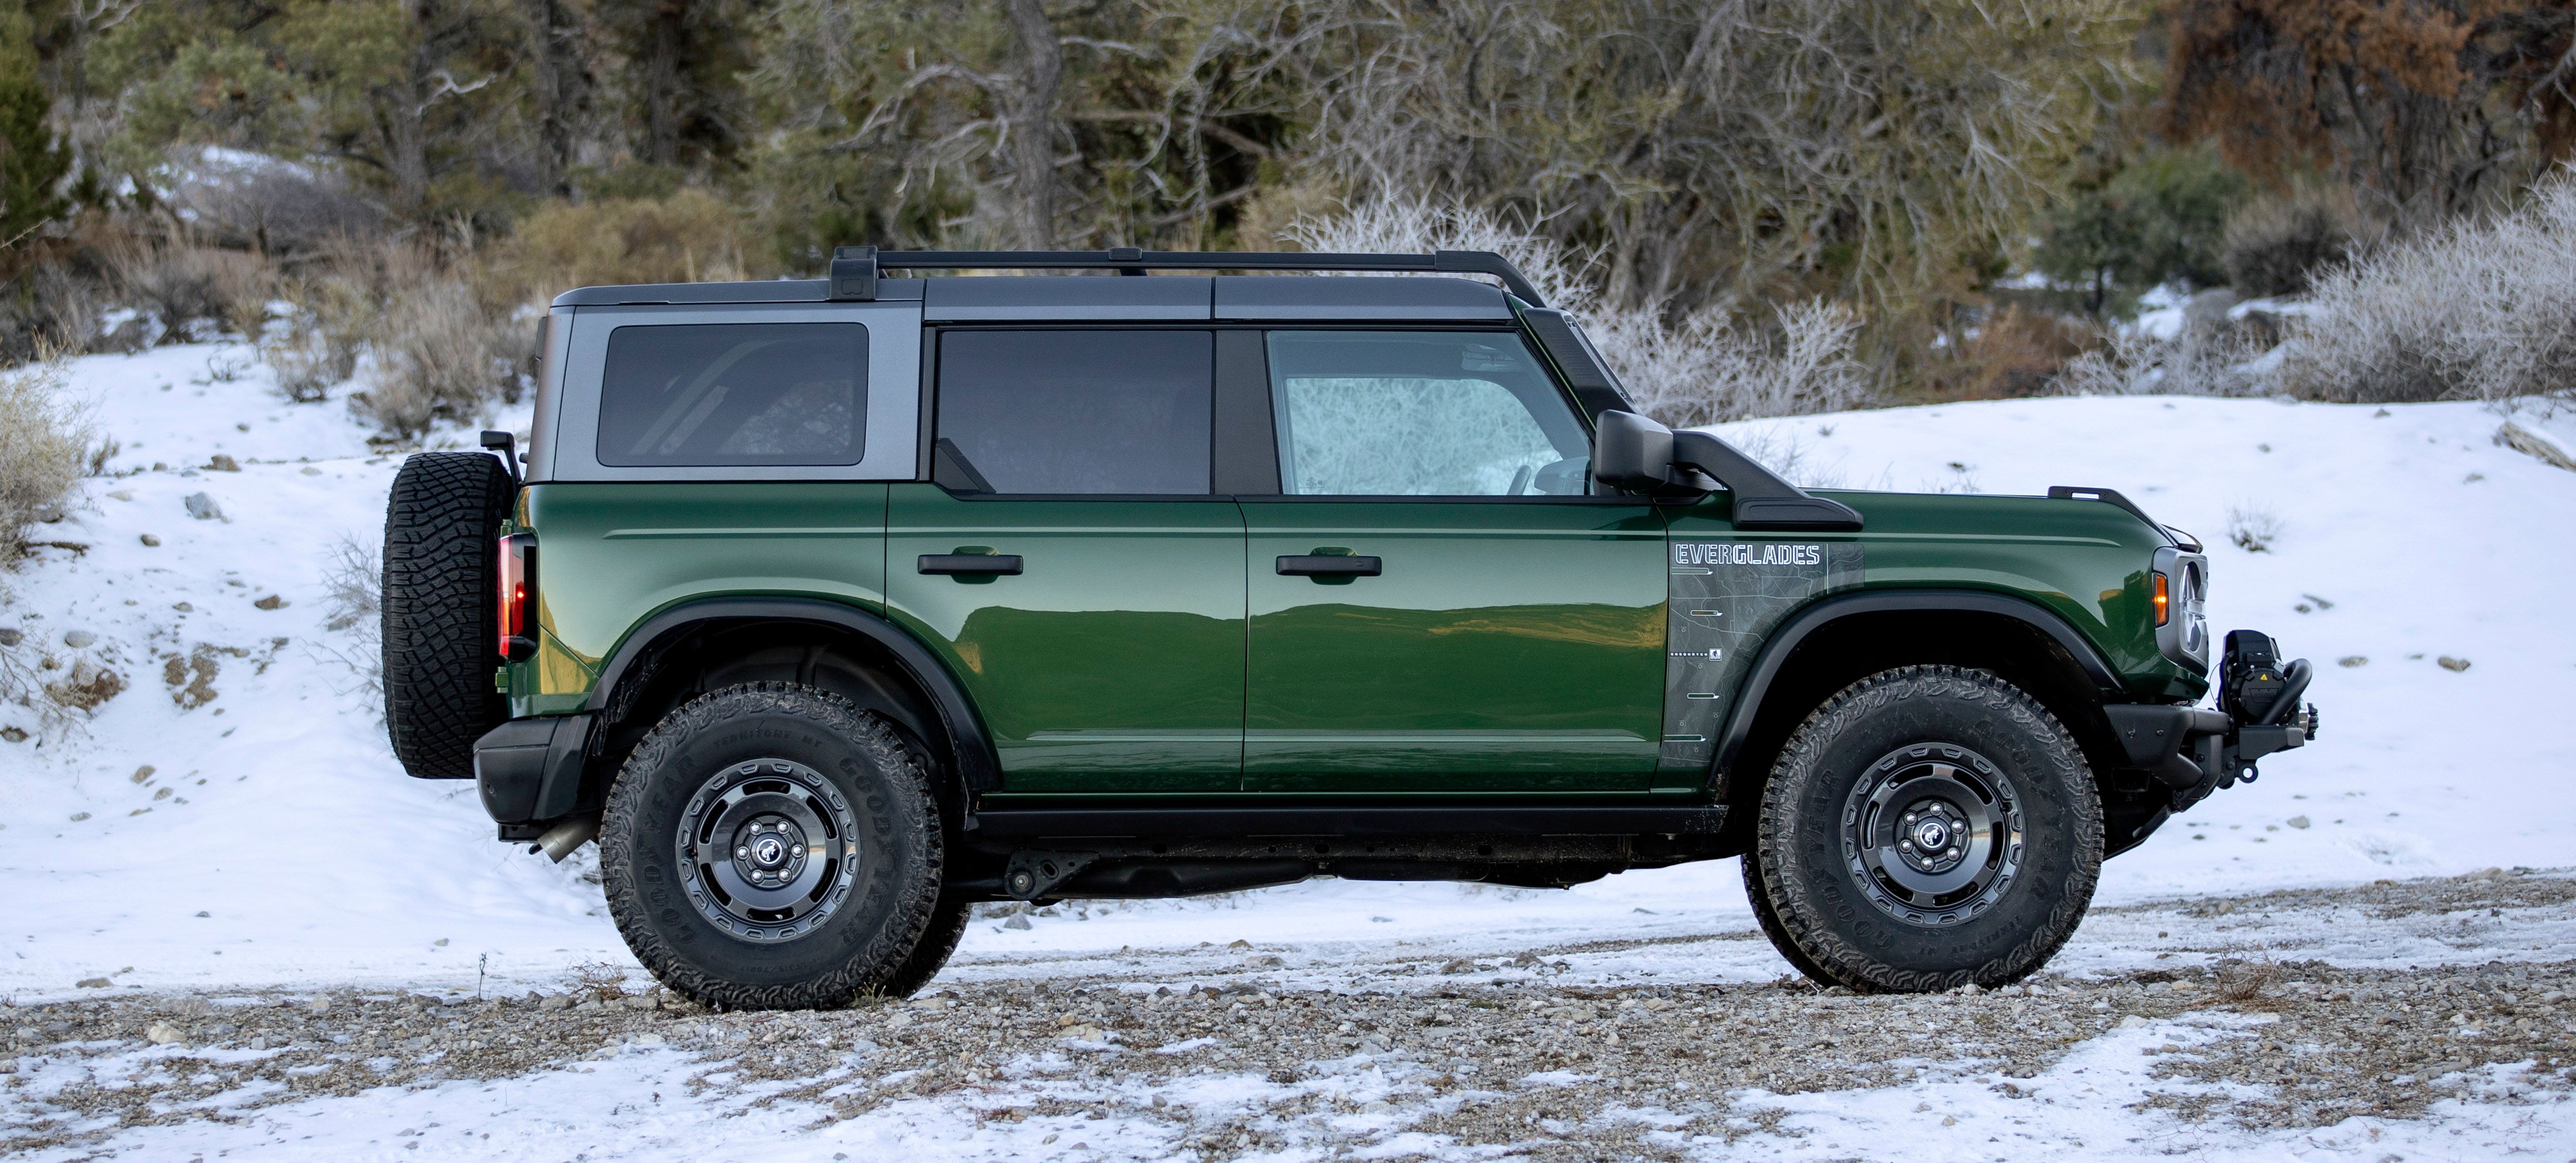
[[1074, 412], [730, 394], [1420, 414]]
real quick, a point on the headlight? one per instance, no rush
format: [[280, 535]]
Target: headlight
[[2181, 598]]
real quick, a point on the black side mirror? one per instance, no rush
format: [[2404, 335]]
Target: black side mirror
[[1631, 452]]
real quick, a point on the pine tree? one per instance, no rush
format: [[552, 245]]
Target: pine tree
[[32, 160]]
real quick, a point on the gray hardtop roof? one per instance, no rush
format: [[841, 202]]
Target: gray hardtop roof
[[1046, 298]]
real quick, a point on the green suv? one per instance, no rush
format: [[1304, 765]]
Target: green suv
[[831, 608]]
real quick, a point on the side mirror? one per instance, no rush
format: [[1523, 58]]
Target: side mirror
[[1631, 452]]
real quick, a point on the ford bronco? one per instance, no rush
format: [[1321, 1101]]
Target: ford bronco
[[831, 608]]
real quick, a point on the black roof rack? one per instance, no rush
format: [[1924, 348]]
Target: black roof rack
[[854, 268]]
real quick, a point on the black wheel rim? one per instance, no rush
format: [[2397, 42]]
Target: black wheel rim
[[768, 850], [1932, 834]]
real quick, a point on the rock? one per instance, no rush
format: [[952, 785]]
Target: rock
[[1016, 922], [310, 471], [77, 817], [183, 607], [2208, 309], [318, 1006], [2297, 821], [162, 1034], [2352, 660], [143, 773], [151, 541], [222, 463], [49, 512], [10, 636], [121, 495], [92, 982], [2454, 665], [202, 507], [2131, 1022], [270, 602], [78, 638]]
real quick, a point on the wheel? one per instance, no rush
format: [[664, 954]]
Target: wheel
[[1764, 916], [441, 609], [1928, 827], [947, 927], [767, 846]]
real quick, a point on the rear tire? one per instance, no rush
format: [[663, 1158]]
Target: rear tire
[[441, 609], [767, 846], [1928, 827]]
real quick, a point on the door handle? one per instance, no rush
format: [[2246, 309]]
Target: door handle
[[952, 564], [1322, 565]]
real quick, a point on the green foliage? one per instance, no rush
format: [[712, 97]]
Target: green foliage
[[2159, 219], [32, 162]]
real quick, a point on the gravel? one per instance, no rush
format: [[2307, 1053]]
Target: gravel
[[2308, 1044]]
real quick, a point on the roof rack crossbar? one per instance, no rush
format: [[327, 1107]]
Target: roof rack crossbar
[[1128, 258]]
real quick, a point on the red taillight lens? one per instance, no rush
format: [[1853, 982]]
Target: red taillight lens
[[2164, 601], [518, 596]]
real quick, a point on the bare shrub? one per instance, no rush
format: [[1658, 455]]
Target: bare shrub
[[182, 283], [2197, 361], [2016, 352], [2275, 246], [45, 438], [688, 237], [263, 204], [439, 356], [2480, 309], [352, 583], [2253, 528], [1706, 367]]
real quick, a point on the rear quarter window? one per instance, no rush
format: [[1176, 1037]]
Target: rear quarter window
[[726, 394]]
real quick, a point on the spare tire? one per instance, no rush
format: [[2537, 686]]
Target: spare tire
[[441, 610]]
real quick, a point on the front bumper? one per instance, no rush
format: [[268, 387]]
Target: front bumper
[[2194, 751]]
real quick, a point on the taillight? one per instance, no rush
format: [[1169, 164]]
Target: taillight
[[518, 596], [2164, 600]]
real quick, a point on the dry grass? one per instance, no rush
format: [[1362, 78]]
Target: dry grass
[[687, 237], [190, 288], [2195, 362], [2277, 246], [409, 322], [2253, 528], [2475, 310], [2017, 352], [1705, 367]]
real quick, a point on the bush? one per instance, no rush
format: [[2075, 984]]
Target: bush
[[2197, 361], [2479, 309], [2158, 220], [1707, 367], [180, 283], [2275, 246], [439, 355], [44, 446], [2016, 352], [687, 237]]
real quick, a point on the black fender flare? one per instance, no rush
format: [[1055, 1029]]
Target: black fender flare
[[1814, 616], [977, 769]]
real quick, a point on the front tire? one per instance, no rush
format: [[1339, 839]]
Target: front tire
[[1928, 827], [768, 846]]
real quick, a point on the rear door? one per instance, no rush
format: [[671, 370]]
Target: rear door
[[1072, 561], [1436, 603]]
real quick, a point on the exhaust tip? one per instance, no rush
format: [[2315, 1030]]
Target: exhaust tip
[[567, 837]]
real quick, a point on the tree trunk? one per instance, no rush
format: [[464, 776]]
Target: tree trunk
[[666, 38], [1031, 126], [559, 85], [400, 108]]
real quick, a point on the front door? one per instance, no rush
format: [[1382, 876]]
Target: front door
[[1436, 603], [1071, 562]]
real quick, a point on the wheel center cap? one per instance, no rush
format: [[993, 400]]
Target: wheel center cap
[[769, 851], [1932, 834]]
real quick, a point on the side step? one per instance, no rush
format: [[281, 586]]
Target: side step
[[1538, 820]]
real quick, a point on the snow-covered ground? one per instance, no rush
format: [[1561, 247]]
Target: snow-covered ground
[[232, 820]]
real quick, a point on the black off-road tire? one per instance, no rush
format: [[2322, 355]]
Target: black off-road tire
[[948, 921], [1769, 919], [861, 948], [1838, 924], [441, 610]]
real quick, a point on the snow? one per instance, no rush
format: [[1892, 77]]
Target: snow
[[277, 844]]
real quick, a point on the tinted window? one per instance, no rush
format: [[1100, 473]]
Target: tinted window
[[1078, 411], [1393, 413], [734, 394]]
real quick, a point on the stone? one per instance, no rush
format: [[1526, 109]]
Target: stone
[[78, 638], [2297, 821], [310, 471], [162, 1034], [143, 773], [11, 636], [202, 507], [270, 602], [2454, 665], [151, 541], [223, 463], [92, 982]]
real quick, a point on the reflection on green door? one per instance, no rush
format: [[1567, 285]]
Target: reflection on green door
[[1113, 661], [1507, 645]]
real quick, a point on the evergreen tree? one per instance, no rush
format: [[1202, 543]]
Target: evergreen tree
[[32, 160]]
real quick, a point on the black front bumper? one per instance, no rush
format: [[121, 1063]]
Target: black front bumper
[[2194, 751], [530, 769]]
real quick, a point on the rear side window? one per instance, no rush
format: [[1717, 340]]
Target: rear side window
[[722, 394], [1076, 411]]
